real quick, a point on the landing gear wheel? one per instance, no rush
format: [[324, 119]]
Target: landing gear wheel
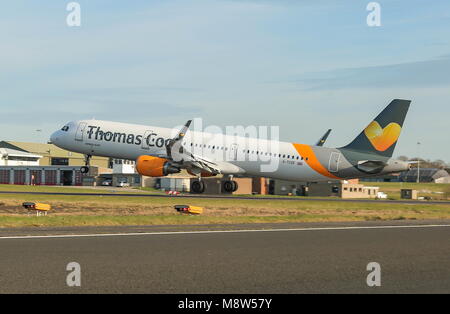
[[87, 162], [230, 186], [198, 187], [235, 186]]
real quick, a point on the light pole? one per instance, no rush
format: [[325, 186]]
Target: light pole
[[418, 162]]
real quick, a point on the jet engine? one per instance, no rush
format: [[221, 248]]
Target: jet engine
[[155, 167]]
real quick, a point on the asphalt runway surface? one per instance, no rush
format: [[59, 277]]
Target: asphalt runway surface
[[266, 258], [200, 196]]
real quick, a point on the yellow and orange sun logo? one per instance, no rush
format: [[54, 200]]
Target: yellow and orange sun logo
[[380, 138]]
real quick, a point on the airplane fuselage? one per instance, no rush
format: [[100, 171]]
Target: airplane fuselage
[[234, 155]]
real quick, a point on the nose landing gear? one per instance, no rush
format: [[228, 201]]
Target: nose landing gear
[[87, 161]]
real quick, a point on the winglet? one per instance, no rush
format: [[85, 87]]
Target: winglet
[[323, 139], [177, 138]]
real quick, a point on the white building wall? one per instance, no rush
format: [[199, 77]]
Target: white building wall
[[124, 166], [6, 162]]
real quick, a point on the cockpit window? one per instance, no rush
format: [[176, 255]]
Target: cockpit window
[[65, 128]]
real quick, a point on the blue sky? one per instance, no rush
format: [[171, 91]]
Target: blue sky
[[305, 66]]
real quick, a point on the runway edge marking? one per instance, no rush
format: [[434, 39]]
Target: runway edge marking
[[219, 231]]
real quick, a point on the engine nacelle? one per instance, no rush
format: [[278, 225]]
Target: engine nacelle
[[154, 166]]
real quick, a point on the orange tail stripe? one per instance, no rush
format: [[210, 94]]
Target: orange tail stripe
[[310, 157]]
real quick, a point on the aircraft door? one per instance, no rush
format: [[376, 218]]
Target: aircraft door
[[233, 151], [80, 131], [334, 162]]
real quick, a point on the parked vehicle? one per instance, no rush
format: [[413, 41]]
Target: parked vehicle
[[123, 183], [107, 182]]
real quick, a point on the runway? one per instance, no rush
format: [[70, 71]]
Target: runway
[[197, 196], [275, 258]]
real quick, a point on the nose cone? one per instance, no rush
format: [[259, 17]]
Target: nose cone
[[54, 138]]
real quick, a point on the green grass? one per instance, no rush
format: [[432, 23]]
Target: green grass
[[68, 189], [392, 189], [110, 211], [150, 190], [179, 219], [85, 210], [176, 219], [51, 189]]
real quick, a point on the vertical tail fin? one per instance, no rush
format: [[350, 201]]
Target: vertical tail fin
[[381, 135]]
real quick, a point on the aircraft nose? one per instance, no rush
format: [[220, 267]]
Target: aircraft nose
[[55, 137]]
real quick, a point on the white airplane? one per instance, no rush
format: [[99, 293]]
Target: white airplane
[[162, 151]]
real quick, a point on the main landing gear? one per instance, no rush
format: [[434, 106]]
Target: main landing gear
[[230, 186], [199, 186], [87, 161]]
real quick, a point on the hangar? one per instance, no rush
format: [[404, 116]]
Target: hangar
[[41, 164], [425, 175], [38, 175], [15, 157]]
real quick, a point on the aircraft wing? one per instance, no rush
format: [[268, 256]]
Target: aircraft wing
[[203, 164], [185, 159]]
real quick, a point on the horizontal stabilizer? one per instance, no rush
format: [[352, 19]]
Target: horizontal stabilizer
[[371, 166]]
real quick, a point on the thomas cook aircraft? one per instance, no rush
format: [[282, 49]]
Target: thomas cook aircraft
[[162, 151]]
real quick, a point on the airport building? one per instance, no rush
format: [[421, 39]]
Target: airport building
[[52, 155], [43, 164], [342, 189], [425, 175], [10, 156]]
